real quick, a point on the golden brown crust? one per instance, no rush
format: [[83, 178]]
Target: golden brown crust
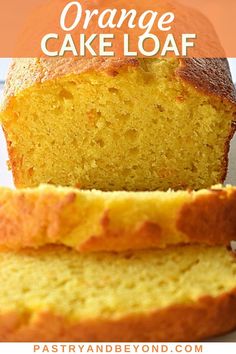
[[24, 73], [208, 216], [143, 236], [198, 320], [48, 218], [87, 221], [211, 76]]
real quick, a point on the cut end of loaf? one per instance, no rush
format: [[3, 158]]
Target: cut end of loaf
[[141, 129]]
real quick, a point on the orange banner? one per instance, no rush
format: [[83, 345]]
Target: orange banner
[[88, 28]]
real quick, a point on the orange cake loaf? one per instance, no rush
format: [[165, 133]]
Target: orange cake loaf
[[180, 294], [115, 221], [119, 124]]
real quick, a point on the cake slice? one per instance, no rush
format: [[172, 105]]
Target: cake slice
[[181, 294], [119, 124], [116, 221]]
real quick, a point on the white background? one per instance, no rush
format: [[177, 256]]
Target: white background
[[6, 178]]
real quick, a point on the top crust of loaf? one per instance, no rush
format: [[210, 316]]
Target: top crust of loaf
[[24, 73], [210, 76]]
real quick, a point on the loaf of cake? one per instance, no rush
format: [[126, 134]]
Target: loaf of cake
[[182, 294], [119, 124], [115, 221]]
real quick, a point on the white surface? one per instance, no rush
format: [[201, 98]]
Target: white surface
[[4, 63], [232, 63], [6, 178], [5, 175]]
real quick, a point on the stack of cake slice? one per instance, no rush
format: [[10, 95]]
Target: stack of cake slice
[[90, 265]]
